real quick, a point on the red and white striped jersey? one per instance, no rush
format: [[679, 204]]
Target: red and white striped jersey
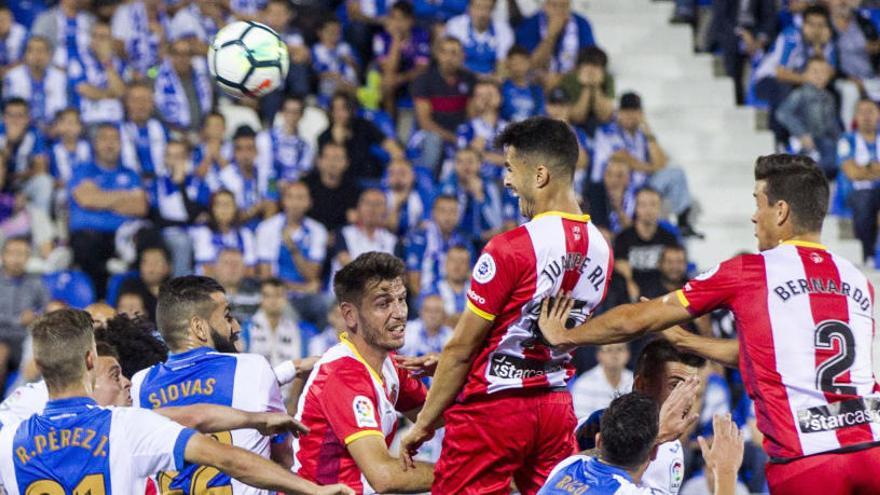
[[515, 272], [805, 326], [345, 399]]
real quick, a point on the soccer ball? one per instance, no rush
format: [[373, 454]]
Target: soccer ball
[[248, 59]]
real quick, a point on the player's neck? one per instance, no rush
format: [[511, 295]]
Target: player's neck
[[812, 237], [560, 199], [70, 391], [373, 356]]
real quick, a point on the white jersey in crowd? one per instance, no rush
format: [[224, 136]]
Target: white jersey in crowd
[[24, 402]]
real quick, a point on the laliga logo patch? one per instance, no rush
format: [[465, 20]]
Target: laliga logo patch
[[708, 273], [364, 414], [816, 258], [676, 474], [484, 270]]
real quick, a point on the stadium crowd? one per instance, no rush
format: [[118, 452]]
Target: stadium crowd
[[124, 167]]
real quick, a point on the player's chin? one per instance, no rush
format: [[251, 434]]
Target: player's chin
[[395, 337]]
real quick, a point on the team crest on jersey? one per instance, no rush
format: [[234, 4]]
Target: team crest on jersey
[[676, 475], [484, 270], [364, 413], [816, 258], [576, 232], [708, 273]]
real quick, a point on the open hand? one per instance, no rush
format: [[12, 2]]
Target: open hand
[[677, 414], [422, 365], [726, 452], [274, 423], [554, 314]]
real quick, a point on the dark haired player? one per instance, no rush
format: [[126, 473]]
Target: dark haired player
[[508, 415], [806, 325]]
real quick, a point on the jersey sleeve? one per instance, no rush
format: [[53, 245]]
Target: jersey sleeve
[[351, 408], [154, 443], [493, 279], [412, 392], [712, 289]]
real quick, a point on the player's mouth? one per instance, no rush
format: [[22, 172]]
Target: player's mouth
[[397, 331]]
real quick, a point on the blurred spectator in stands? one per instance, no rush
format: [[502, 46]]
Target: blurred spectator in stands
[[637, 249], [212, 152], [363, 141], [330, 335], [858, 155], [366, 18], [428, 333], [242, 292], [24, 154], [199, 21], [22, 299], [485, 40], [70, 147], [455, 283], [685, 12], [144, 137], [858, 47], [35, 224], [597, 387], [809, 114], [223, 230], [432, 12], [333, 61], [521, 96], [426, 249], [131, 304], [403, 52], [366, 233], [406, 204], [66, 26], [559, 106], [555, 36], [273, 331], [333, 193], [12, 40], [782, 68], [293, 248], [154, 268], [742, 30], [95, 76], [42, 85], [479, 132], [177, 195], [591, 89], [254, 194], [142, 28], [441, 97], [671, 273], [104, 195], [182, 89], [100, 312], [630, 139], [613, 205], [479, 200], [281, 149], [277, 14]]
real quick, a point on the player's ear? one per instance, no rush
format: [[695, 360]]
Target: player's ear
[[90, 359], [542, 176], [783, 212], [349, 314], [200, 329], [598, 441]]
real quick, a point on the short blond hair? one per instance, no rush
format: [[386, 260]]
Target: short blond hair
[[61, 340]]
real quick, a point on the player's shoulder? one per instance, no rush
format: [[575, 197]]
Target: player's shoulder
[[340, 365], [249, 362], [517, 237]]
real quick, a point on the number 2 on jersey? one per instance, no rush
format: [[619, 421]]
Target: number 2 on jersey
[[200, 478], [828, 333]]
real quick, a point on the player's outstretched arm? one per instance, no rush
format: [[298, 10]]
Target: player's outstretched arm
[[385, 473], [621, 324], [452, 370], [209, 418], [725, 455], [253, 470], [722, 351]]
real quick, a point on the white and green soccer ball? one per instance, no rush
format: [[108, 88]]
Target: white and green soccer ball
[[248, 59]]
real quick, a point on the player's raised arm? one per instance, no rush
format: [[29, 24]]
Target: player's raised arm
[[385, 473], [252, 469], [722, 351], [210, 418], [621, 324]]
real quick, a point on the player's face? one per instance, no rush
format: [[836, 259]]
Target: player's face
[[37, 54], [224, 209], [245, 151], [111, 387], [616, 175], [481, 11], [292, 113], [371, 209], [648, 207], [765, 219], [519, 177], [131, 305], [229, 269], [107, 145], [673, 265], [139, 103], [674, 375], [400, 175], [225, 329], [382, 315], [629, 119]]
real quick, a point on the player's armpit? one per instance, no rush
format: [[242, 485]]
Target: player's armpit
[[722, 351], [250, 468], [383, 472]]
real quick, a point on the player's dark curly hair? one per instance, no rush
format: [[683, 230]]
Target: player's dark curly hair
[[544, 141], [628, 430], [798, 181], [135, 342], [350, 283]]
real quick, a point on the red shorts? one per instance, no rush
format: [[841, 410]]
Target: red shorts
[[519, 437], [851, 473]]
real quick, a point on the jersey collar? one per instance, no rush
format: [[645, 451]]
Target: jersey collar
[[343, 337], [69, 404], [568, 216], [180, 356], [805, 244]]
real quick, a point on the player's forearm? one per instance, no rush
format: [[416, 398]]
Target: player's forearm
[[722, 351], [387, 477], [258, 472], [622, 324], [725, 482], [209, 418]]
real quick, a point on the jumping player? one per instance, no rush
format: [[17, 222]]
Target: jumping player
[[353, 395], [71, 446], [805, 327], [507, 412]]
